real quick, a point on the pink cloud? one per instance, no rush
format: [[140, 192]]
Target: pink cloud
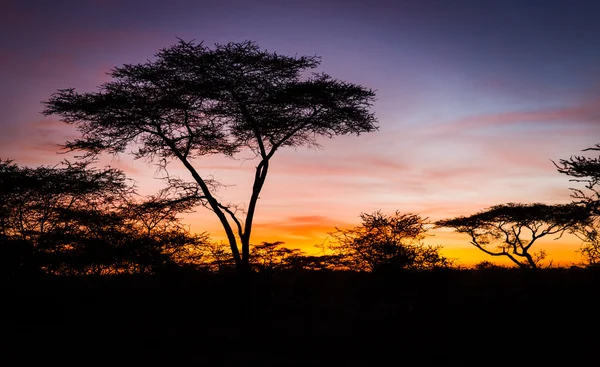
[[331, 163], [586, 114]]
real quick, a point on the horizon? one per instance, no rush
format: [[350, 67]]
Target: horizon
[[474, 103]]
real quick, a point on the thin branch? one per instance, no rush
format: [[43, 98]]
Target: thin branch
[[235, 219]]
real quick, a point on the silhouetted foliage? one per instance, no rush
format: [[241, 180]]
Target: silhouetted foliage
[[45, 207], [320, 262], [501, 229], [75, 219], [586, 170], [385, 242], [269, 257], [217, 257], [487, 265], [193, 101], [155, 224]]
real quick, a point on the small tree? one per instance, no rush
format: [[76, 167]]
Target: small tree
[[269, 257], [510, 230], [386, 242], [193, 101], [586, 170]]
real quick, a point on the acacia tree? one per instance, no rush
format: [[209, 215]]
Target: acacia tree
[[44, 211], [73, 219], [156, 236], [273, 256], [386, 242], [586, 170], [35, 202], [192, 101], [502, 229]]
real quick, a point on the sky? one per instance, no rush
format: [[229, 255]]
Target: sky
[[474, 101]]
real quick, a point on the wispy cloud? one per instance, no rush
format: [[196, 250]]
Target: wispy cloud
[[580, 119], [463, 124]]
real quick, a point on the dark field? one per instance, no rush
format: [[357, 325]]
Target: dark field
[[489, 317]]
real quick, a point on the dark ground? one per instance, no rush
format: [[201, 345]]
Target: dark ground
[[489, 317]]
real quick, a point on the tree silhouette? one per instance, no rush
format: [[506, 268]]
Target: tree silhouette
[[269, 257], [44, 208], [501, 229], [586, 170], [75, 219], [193, 101], [160, 237], [386, 242]]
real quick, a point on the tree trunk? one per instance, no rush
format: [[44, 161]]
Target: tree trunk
[[530, 261], [259, 181]]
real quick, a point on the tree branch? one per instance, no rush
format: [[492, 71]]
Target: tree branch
[[235, 219]]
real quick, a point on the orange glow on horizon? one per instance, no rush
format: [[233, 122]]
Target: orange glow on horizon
[[309, 233], [467, 117]]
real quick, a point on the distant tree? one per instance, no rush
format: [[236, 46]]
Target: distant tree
[[385, 242], [487, 265], [510, 230], [318, 262], [217, 257], [193, 101], [586, 170], [155, 224], [269, 257]]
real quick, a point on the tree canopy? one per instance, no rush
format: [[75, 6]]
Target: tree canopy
[[586, 170], [386, 242], [501, 230], [74, 219], [193, 101]]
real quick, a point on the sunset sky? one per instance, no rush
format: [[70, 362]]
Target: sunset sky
[[474, 100]]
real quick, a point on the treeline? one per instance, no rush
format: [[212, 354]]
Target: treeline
[[76, 219], [191, 102]]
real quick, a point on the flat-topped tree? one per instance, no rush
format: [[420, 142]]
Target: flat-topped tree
[[511, 229], [192, 101]]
